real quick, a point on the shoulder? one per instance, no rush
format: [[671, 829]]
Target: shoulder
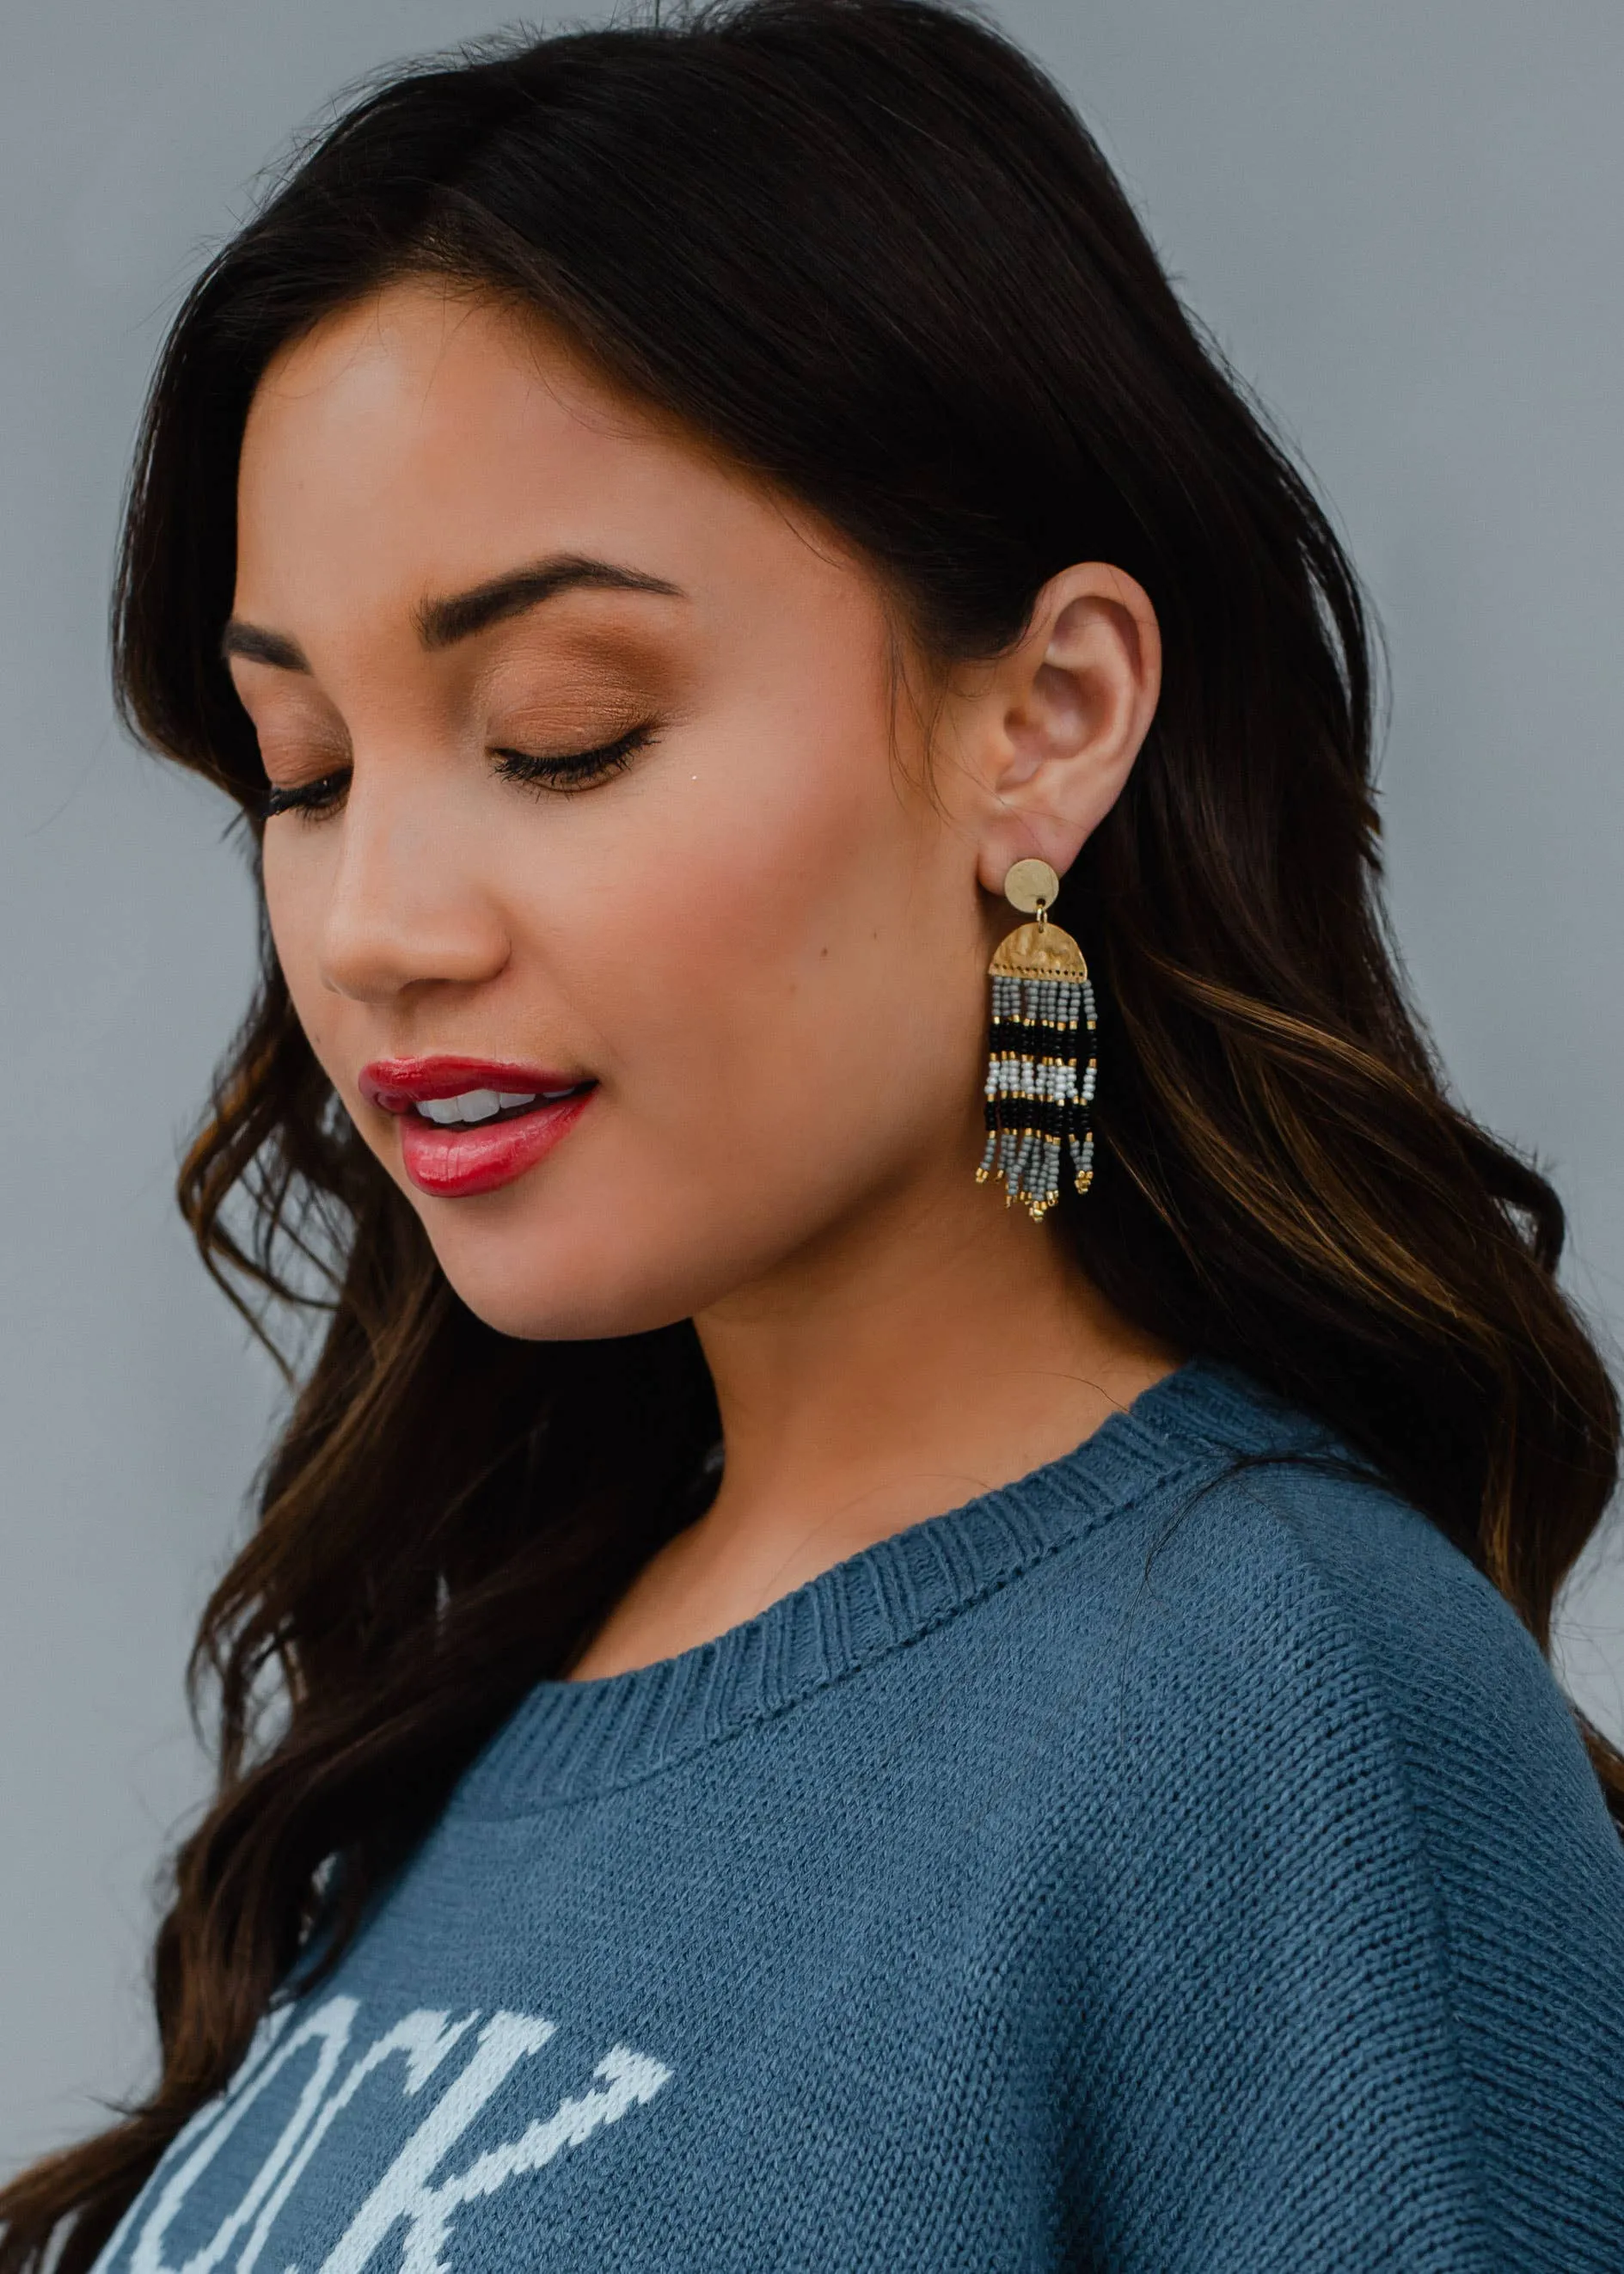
[[1279, 1601], [1343, 1672], [1273, 1655], [1266, 1576], [1292, 1565], [1332, 1861]]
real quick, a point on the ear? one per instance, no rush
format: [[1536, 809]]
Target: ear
[[1050, 729]]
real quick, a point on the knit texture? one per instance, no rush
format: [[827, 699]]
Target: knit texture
[[1178, 1862]]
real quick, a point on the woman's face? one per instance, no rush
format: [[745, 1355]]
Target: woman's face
[[632, 1031]]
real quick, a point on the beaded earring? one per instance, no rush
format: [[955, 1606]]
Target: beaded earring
[[1042, 1003]]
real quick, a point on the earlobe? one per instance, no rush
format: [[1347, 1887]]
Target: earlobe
[[1068, 709]]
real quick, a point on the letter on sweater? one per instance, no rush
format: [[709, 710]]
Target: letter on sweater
[[405, 2192], [424, 2039], [328, 2029]]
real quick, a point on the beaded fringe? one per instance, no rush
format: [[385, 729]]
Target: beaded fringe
[[1037, 1111]]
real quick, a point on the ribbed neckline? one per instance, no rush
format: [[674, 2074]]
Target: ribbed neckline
[[568, 1740]]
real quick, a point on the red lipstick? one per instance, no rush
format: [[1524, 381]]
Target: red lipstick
[[473, 1125]]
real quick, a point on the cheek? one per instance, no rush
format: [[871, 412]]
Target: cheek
[[783, 999], [293, 867], [795, 996]]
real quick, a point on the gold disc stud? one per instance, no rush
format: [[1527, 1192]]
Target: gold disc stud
[[1031, 885]]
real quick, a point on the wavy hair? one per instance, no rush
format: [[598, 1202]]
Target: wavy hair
[[867, 250]]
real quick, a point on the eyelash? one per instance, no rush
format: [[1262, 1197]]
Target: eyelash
[[573, 770], [312, 797], [565, 772]]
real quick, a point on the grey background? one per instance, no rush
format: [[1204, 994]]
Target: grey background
[[1400, 217]]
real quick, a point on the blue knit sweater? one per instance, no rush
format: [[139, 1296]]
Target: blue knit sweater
[[1166, 1864]]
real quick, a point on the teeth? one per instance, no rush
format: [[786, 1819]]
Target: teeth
[[471, 1105], [480, 1104]]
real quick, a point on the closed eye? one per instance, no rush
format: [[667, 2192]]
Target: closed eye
[[312, 797], [573, 770], [555, 770]]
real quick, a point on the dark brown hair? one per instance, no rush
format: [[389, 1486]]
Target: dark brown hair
[[867, 249]]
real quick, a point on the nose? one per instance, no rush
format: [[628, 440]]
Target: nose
[[407, 906]]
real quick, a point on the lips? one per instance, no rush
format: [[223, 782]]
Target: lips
[[471, 1125]]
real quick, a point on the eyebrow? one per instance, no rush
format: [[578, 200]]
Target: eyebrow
[[460, 615], [441, 623], [255, 646]]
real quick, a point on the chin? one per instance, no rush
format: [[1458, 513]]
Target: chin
[[585, 1272], [620, 1238]]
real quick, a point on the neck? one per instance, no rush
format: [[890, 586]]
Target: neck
[[939, 1347]]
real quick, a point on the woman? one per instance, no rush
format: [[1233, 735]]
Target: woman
[[780, 1712]]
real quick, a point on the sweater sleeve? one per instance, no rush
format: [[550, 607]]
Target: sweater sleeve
[[1351, 1989]]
